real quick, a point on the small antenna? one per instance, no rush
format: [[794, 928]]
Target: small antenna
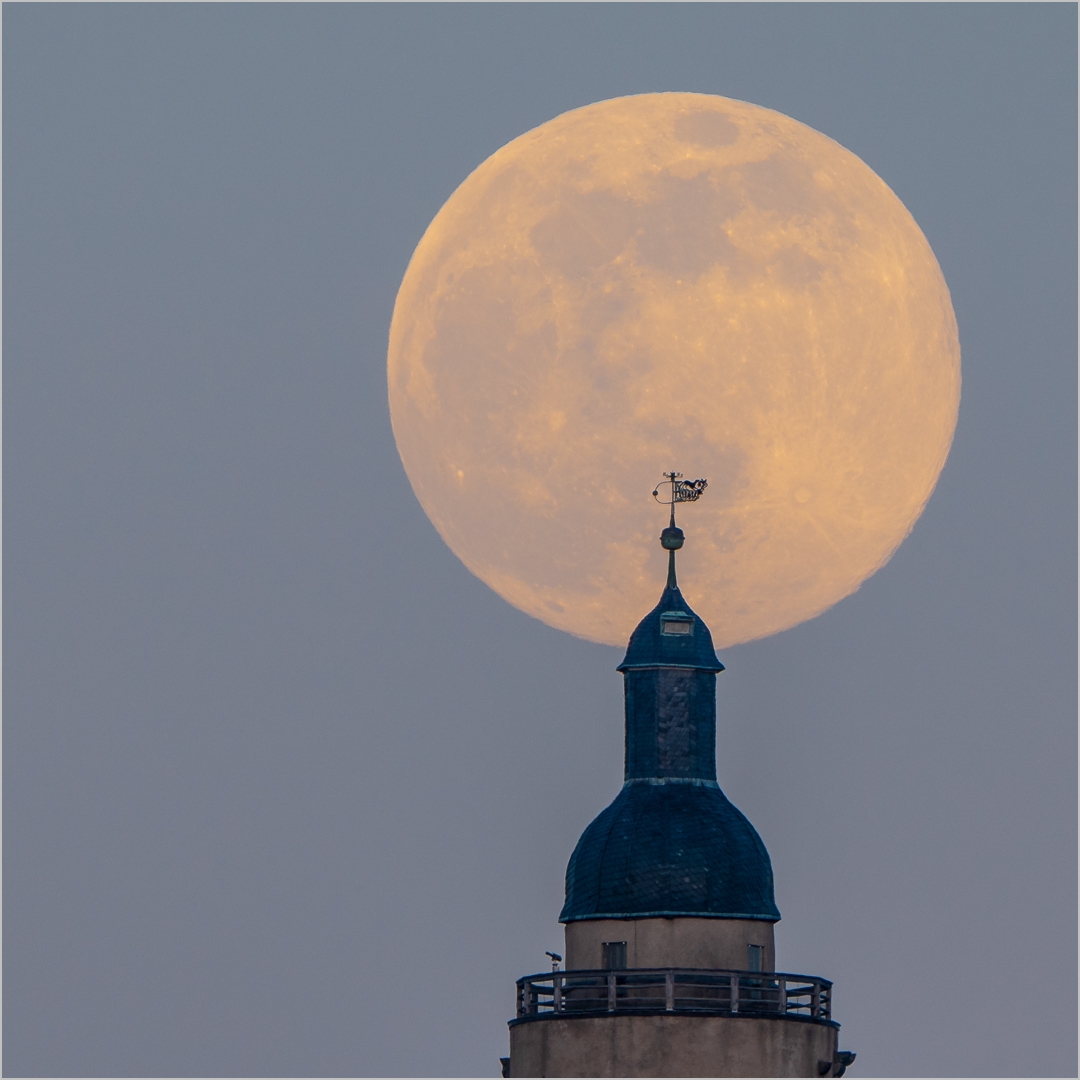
[[672, 537]]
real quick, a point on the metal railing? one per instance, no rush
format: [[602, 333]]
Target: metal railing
[[679, 990]]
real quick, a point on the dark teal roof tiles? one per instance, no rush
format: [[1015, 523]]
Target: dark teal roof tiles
[[671, 844], [670, 848], [671, 635]]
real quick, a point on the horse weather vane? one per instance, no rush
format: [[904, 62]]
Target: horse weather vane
[[682, 491]]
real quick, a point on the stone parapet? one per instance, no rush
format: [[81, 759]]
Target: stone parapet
[[671, 1045]]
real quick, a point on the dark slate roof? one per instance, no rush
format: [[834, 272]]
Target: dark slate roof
[[670, 849], [671, 844], [649, 647]]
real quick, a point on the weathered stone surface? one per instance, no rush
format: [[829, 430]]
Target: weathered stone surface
[[666, 1045], [679, 942]]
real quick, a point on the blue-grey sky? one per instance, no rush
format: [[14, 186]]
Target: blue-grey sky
[[287, 790]]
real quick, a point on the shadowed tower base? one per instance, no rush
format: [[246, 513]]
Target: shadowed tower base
[[671, 1045]]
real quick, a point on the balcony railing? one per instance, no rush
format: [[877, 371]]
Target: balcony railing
[[678, 990]]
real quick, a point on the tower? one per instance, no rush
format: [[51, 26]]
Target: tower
[[669, 913]]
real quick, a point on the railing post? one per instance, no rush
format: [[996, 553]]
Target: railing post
[[556, 981], [734, 993], [781, 995], [815, 1000], [669, 990], [611, 992]]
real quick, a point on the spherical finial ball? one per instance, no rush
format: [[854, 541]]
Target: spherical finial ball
[[672, 538]]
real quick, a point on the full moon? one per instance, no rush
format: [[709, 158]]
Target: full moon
[[673, 282]]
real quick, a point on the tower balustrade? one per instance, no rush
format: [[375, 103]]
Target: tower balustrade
[[674, 990]]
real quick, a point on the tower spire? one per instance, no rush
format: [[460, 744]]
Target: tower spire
[[673, 538], [670, 903]]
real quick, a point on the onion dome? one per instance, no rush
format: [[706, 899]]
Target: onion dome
[[671, 844], [670, 850]]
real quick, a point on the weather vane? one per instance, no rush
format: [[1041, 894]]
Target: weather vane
[[681, 491]]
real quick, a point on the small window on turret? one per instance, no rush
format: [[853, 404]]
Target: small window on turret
[[613, 956], [676, 622], [755, 953]]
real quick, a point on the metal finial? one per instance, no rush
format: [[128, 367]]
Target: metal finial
[[672, 538]]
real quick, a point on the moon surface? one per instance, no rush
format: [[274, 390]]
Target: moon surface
[[673, 281]]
